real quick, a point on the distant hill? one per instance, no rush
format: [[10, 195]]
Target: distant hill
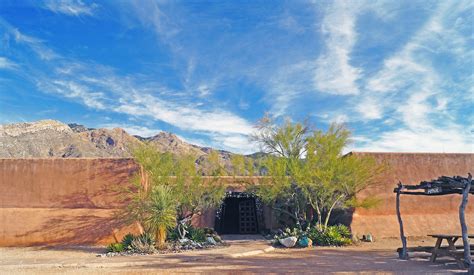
[[51, 138]]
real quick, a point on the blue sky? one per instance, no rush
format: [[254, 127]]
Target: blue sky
[[398, 73]]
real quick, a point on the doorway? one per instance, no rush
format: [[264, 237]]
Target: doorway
[[239, 216]]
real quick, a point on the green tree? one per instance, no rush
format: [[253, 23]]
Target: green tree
[[168, 185], [195, 193], [285, 145], [332, 180], [307, 168], [287, 140], [242, 166]]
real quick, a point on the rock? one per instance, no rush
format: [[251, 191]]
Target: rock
[[183, 240], [368, 238], [288, 242], [211, 240], [305, 242], [217, 238]]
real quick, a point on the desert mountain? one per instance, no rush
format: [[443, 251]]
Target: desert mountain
[[50, 138]]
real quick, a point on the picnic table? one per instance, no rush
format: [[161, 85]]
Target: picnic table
[[450, 250]]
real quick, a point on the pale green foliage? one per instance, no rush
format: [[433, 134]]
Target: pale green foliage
[[242, 166], [287, 140], [238, 165], [324, 179], [161, 209], [168, 189], [332, 180], [214, 164]]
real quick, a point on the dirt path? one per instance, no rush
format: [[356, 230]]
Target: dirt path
[[379, 257]]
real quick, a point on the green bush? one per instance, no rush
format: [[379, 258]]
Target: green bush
[[197, 234], [209, 231], [143, 243], [338, 235], [127, 241], [173, 234], [115, 247], [288, 232]]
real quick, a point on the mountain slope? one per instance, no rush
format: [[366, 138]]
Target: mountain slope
[[50, 138]]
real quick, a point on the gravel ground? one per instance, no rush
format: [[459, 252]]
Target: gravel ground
[[378, 257]]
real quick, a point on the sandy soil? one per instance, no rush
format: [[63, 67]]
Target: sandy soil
[[377, 257]]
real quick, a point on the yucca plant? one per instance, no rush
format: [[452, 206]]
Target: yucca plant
[[162, 213]]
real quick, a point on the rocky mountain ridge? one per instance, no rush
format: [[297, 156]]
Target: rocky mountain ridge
[[51, 138]]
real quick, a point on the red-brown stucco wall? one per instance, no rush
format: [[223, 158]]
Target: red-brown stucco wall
[[60, 201], [421, 215], [74, 201]]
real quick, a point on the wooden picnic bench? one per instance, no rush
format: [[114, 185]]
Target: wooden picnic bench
[[450, 250]]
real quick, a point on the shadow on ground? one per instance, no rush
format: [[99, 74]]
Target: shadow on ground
[[306, 261]]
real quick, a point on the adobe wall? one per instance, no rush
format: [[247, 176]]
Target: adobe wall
[[421, 215], [72, 201], [60, 201], [69, 201]]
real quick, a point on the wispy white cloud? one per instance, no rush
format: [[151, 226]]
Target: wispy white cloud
[[36, 45], [417, 92], [102, 89], [149, 13], [6, 63], [420, 140], [136, 130], [235, 143], [183, 116], [370, 108], [73, 90], [287, 84], [289, 23], [70, 7], [334, 73]]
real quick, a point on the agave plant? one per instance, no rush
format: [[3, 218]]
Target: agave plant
[[162, 213], [143, 243]]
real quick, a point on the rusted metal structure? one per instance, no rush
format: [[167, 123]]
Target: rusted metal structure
[[439, 187]]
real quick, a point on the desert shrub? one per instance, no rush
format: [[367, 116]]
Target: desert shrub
[[337, 235], [217, 238], [343, 230], [288, 232], [197, 234], [173, 234], [209, 231], [127, 241], [115, 247], [143, 243]]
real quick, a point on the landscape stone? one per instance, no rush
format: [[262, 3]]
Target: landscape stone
[[211, 240], [288, 242]]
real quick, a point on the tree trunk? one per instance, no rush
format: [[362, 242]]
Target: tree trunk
[[160, 236], [465, 235], [328, 215], [402, 254], [140, 227], [286, 212], [318, 213]]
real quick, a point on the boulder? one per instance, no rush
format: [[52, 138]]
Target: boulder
[[305, 242], [211, 240], [289, 241]]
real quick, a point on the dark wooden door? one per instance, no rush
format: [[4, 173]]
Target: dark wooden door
[[247, 217]]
